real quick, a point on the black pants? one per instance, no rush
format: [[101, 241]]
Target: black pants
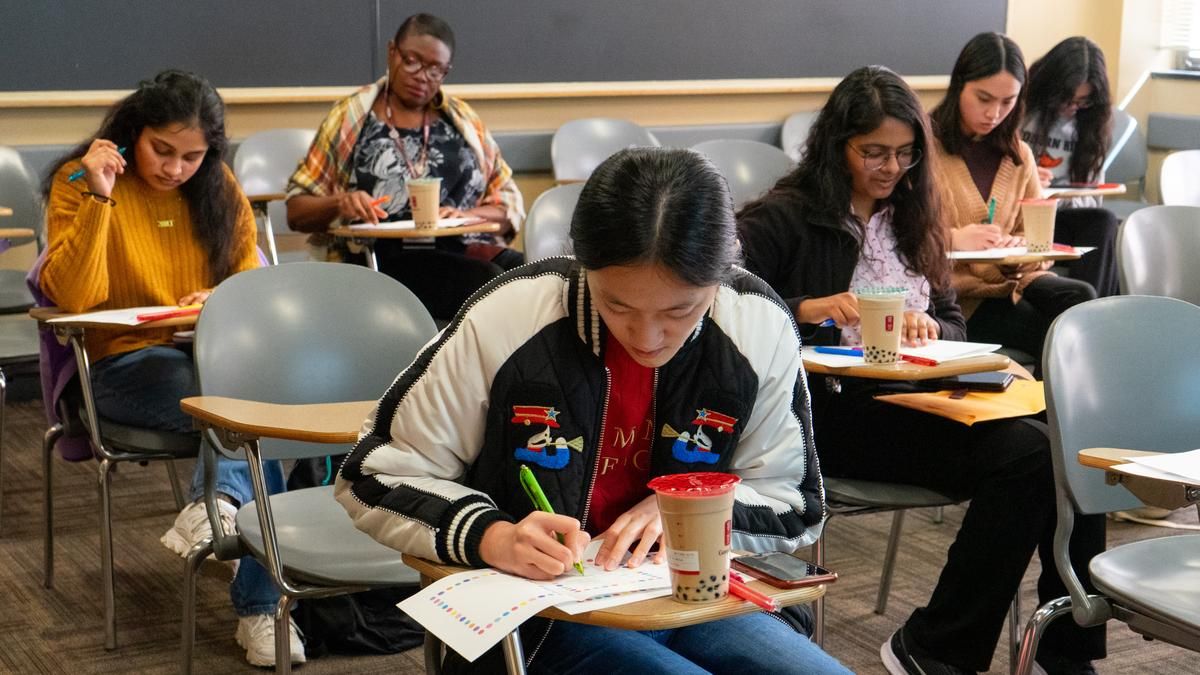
[[442, 280], [1090, 227], [1004, 468], [1023, 325]]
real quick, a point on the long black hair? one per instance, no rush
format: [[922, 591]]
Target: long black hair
[[177, 97], [822, 183], [1053, 80], [983, 56], [657, 205]]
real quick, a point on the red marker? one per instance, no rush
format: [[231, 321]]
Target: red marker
[[187, 310]]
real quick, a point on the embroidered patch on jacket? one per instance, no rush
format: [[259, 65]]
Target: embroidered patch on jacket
[[696, 446], [543, 449]]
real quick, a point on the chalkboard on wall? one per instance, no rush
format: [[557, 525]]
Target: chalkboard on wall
[[83, 44]]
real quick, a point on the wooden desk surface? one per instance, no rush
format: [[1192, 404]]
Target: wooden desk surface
[[1154, 491], [905, 370], [1022, 259], [353, 233], [14, 232], [43, 314], [267, 197], [654, 614], [1103, 458], [313, 422]]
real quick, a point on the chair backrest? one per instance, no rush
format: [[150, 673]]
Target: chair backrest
[[264, 162], [307, 333], [750, 167], [1156, 248], [547, 228], [1121, 372], [579, 146], [1180, 178], [19, 191], [1127, 156], [795, 132]]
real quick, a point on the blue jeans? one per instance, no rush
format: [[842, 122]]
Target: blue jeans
[[143, 388], [750, 643]]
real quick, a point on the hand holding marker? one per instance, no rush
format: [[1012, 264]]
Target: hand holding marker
[[534, 491]]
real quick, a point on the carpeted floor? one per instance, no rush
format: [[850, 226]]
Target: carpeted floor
[[60, 630]]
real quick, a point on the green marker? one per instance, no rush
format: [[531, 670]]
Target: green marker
[[991, 210], [529, 482]]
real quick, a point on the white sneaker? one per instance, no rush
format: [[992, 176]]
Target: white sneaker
[[191, 526], [256, 634]]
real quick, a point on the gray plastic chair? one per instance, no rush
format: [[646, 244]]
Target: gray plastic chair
[[289, 334], [1126, 163], [263, 164], [18, 191], [579, 146], [750, 167], [1121, 372], [1156, 251], [795, 132], [547, 228], [18, 344], [1179, 180]]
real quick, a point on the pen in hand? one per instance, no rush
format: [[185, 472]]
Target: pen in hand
[[534, 491], [80, 172]]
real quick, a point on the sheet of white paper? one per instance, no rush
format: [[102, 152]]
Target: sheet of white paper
[[410, 225], [472, 611], [596, 582], [117, 317], [1001, 253], [612, 600], [938, 350], [1176, 466]]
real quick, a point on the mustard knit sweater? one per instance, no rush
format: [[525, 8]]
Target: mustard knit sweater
[[142, 251], [964, 206]]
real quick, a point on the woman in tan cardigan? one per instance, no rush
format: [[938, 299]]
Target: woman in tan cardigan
[[982, 158]]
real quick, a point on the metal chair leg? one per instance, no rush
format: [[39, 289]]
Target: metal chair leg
[[433, 654], [48, 440], [889, 562], [3, 402], [1033, 633], [106, 555], [283, 643], [939, 515], [514, 656], [173, 476], [195, 558], [1014, 629], [818, 548]]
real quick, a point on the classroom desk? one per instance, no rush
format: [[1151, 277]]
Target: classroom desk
[[1153, 491], [366, 238], [5, 211], [14, 232], [65, 329], [905, 370], [310, 422], [1021, 259], [654, 614]]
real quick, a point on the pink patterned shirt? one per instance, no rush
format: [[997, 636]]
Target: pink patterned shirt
[[879, 265]]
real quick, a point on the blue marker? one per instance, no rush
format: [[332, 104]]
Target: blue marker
[[79, 174], [839, 351], [827, 323]]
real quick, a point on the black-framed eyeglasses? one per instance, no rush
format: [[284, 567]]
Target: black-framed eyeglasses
[[1081, 103], [874, 160], [412, 64]]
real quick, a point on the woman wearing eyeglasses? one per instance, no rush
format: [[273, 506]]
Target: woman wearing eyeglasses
[[1068, 123], [404, 126], [988, 170], [861, 209]]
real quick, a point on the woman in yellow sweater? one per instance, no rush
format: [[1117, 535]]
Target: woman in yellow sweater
[[158, 219], [983, 160]]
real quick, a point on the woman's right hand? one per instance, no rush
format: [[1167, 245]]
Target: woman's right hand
[[530, 548], [842, 308], [101, 164], [976, 237], [357, 207]]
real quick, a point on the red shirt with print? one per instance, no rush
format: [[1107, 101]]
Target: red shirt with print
[[624, 467]]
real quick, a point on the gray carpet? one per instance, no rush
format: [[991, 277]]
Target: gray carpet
[[60, 630]]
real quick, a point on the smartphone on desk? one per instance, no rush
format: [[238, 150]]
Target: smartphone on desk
[[990, 381], [782, 570]]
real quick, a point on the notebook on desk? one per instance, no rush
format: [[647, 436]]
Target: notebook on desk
[[938, 351], [411, 225]]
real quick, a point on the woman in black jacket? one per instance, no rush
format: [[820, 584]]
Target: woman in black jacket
[[861, 210]]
